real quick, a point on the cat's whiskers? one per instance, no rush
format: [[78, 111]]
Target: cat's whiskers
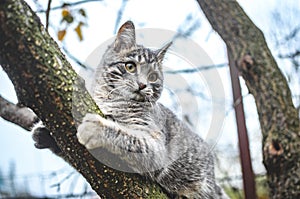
[[130, 84], [99, 88], [143, 133], [102, 89], [117, 88], [102, 85]]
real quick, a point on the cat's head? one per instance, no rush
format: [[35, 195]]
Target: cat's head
[[133, 71]]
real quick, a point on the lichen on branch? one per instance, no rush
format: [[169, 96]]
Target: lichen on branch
[[45, 82], [279, 119]]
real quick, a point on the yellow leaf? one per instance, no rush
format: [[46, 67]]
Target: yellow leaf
[[65, 13], [67, 16], [79, 31], [61, 34]]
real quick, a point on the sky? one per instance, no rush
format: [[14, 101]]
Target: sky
[[16, 144]]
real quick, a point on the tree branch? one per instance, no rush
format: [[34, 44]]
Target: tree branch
[[45, 82], [197, 69], [48, 13], [278, 117], [291, 55], [119, 15], [22, 116], [69, 4]]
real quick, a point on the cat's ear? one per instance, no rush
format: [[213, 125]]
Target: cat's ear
[[161, 52], [125, 38]]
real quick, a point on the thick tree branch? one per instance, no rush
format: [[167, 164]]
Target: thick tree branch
[[22, 116], [45, 82], [278, 117]]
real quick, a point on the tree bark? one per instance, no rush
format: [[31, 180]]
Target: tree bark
[[45, 82], [278, 116]]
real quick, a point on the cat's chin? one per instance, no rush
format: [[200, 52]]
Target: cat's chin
[[134, 95], [139, 97]]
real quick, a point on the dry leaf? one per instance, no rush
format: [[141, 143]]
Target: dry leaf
[[65, 13], [79, 31], [61, 34]]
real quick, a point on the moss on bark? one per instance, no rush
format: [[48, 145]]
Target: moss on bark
[[45, 82], [278, 117]]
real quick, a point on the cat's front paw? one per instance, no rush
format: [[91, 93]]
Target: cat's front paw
[[88, 132], [90, 117]]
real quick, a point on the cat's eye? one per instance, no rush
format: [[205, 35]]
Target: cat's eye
[[152, 77], [130, 67]]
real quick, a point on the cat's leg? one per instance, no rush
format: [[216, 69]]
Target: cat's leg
[[145, 145], [96, 131], [43, 139]]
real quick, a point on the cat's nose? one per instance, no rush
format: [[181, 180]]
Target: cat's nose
[[141, 86]]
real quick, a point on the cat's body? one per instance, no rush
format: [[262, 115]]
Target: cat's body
[[141, 131]]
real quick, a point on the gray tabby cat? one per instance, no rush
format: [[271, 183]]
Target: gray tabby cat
[[147, 135]]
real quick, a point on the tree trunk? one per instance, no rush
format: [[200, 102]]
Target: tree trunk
[[45, 82], [278, 116]]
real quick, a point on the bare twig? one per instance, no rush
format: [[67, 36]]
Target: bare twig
[[187, 28], [291, 55], [68, 4], [77, 61], [197, 69], [292, 34], [119, 15], [48, 13], [58, 184]]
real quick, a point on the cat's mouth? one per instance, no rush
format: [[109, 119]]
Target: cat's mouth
[[138, 96]]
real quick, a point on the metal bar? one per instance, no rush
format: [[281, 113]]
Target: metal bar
[[248, 176]]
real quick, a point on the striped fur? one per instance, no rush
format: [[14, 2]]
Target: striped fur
[[127, 85]]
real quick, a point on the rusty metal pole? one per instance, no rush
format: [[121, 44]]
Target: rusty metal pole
[[248, 176]]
